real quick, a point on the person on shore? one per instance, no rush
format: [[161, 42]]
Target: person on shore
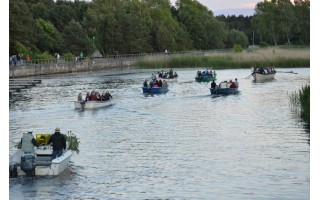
[[59, 143], [28, 142]]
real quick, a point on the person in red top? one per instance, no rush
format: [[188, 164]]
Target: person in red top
[[233, 84]]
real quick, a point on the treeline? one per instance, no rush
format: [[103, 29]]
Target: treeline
[[144, 26]]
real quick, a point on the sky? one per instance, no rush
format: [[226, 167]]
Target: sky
[[229, 7]]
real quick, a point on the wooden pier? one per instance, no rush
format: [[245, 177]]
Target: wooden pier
[[17, 85]]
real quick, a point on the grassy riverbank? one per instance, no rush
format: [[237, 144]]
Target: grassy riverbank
[[271, 56]]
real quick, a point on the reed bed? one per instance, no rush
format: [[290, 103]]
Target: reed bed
[[277, 56], [300, 102]]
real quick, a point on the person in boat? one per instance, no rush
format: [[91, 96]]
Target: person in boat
[[87, 96], [213, 84], [28, 142], [80, 97], [107, 95], [151, 84], [199, 74], [145, 83], [153, 77], [232, 84], [237, 83], [214, 74], [164, 83], [175, 74], [160, 83], [93, 96], [59, 143]]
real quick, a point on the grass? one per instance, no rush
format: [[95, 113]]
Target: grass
[[272, 56], [301, 102]]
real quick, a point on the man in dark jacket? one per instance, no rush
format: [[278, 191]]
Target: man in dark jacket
[[58, 141]]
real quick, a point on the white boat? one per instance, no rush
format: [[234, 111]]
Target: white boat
[[263, 77], [91, 104], [261, 74], [40, 163]]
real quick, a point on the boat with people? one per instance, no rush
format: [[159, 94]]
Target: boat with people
[[93, 100], [168, 75], [205, 76], [155, 87], [41, 161], [225, 87], [261, 74]]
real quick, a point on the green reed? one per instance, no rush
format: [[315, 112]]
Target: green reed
[[300, 101], [278, 57]]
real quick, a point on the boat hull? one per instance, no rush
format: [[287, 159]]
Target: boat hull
[[263, 77], [205, 78], [45, 166], [224, 91], [91, 104], [155, 90]]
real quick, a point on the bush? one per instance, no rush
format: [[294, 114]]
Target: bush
[[237, 48]]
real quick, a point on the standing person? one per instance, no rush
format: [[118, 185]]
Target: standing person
[[80, 97], [28, 142], [59, 143], [145, 83], [213, 84], [237, 83]]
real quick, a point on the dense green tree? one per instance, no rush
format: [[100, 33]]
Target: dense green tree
[[21, 26], [76, 40], [138, 26], [237, 37], [49, 39]]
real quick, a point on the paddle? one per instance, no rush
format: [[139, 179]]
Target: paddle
[[248, 76], [287, 72]]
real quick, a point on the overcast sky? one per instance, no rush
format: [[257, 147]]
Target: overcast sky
[[229, 7]]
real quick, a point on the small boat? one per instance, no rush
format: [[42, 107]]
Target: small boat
[[263, 74], [40, 163], [155, 90], [205, 79], [205, 76], [91, 104], [224, 88], [167, 75]]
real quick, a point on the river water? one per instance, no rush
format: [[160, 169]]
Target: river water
[[185, 144]]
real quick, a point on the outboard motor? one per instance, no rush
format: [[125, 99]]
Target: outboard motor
[[28, 164], [13, 171]]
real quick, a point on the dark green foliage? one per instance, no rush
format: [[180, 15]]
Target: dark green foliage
[[134, 26]]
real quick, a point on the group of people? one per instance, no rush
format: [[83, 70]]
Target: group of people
[[58, 141], [18, 59], [95, 96], [226, 84], [264, 70], [206, 73], [155, 83], [169, 74]]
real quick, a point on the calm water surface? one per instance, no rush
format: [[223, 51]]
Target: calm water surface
[[185, 144]]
